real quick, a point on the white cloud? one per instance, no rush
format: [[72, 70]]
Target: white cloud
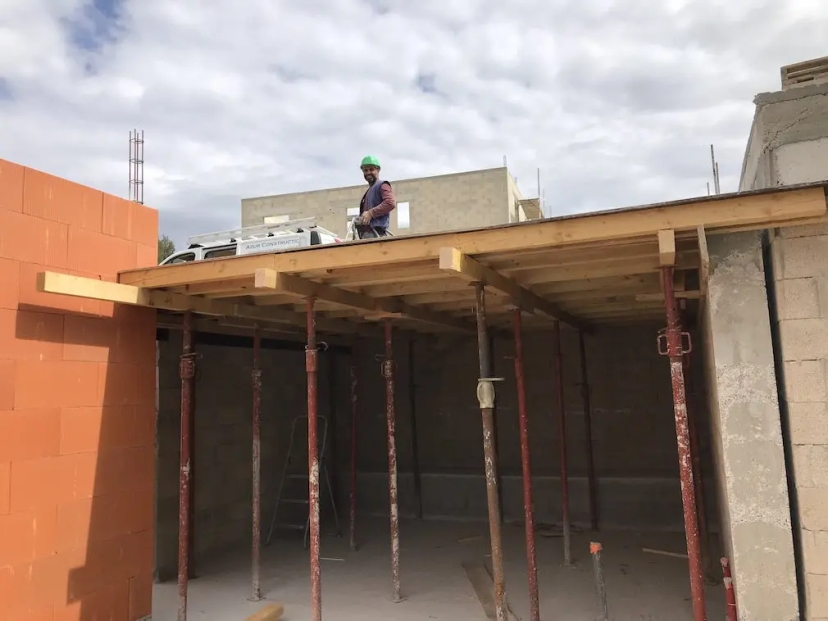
[[615, 101]]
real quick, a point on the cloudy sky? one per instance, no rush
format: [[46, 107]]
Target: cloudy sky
[[617, 101]]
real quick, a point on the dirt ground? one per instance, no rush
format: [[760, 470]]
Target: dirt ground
[[357, 586]]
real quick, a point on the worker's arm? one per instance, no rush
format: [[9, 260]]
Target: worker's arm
[[388, 202]]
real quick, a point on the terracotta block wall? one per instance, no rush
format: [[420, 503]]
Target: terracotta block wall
[[77, 418]]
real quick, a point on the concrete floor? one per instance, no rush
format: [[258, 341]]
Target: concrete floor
[[640, 587]]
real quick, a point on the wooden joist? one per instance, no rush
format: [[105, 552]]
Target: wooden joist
[[78, 286], [455, 261], [376, 308]]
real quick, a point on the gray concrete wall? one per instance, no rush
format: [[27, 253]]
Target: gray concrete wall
[[747, 431], [441, 203], [633, 428]]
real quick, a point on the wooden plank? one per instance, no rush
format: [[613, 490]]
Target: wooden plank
[[78, 286], [90, 288], [658, 296], [455, 261], [667, 247], [759, 209], [619, 268], [483, 587], [704, 260]]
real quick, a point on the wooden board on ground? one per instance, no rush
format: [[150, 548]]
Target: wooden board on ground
[[271, 612], [482, 584]]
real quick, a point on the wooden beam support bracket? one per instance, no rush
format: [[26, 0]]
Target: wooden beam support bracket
[[667, 247], [456, 261]]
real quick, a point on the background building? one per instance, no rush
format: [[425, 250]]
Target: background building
[[424, 205]]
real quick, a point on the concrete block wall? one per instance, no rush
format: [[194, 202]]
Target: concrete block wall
[[633, 428], [788, 139], [788, 145], [800, 270], [76, 406], [440, 203]]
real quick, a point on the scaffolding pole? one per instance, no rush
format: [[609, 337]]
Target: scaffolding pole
[[186, 371], [486, 397], [353, 491], [593, 491], [256, 381], [567, 544], [528, 509], [312, 368], [391, 418], [672, 344]]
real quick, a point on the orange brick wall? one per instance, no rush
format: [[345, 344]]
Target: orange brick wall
[[77, 397]]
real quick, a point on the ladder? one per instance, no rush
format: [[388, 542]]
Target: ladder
[[286, 475], [250, 232]]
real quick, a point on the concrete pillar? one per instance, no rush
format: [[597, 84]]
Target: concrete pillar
[[747, 432]]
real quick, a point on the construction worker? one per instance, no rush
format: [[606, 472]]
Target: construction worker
[[377, 203]]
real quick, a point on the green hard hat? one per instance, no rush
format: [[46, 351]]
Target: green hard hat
[[370, 160]]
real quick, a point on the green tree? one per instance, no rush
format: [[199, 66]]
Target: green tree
[[165, 248]]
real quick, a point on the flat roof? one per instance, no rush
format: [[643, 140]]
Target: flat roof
[[584, 270]]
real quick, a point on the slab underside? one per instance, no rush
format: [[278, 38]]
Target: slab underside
[[435, 584]]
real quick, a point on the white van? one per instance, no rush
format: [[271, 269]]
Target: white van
[[264, 238]]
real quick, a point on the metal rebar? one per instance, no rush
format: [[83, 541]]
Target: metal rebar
[[486, 397], [567, 545], [593, 491], [675, 350], [312, 368], [256, 380], [595, 549], [187, 373], [391, 418], [732, 614], [354, 410], [526, 463]]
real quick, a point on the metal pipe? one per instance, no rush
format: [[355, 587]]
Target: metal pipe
[[256, 380], [562, 432], [528, 509], [486, 397], [732, 614], [391, 418], [593, 491], [312, 368], [354, 410], [600, 586], [698, 475], [186, 371], [674, 341]]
